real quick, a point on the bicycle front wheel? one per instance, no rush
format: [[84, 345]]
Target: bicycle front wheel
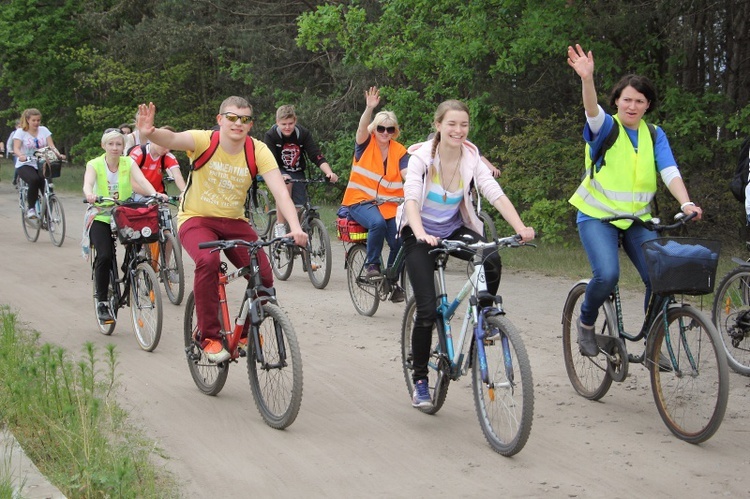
[[689, 374], [363, 291], [56, 221], [438, 378], [208, 376], [145, 307], [505, 404], [282, 260], [274, 366], [490, 231], [731, 315], [318, 254], [171, 270], [588, 375], [259, 214]]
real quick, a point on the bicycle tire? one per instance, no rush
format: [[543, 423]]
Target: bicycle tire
[[588, 375], [56, 221], [274, 366], [105, 329], [405, 284], [208, 376], [506, 409], [31, 228], [731, 315], [259, 214], [171, 271], [490, 231], [318, 254], [146, 307], [702, 384], [362, 291], [282, 260], [438, 364]]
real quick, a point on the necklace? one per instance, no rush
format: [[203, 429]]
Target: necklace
[[117, 165], [442, 180]]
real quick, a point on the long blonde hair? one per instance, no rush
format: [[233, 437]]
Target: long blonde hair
[[440, 112], [26, 115]]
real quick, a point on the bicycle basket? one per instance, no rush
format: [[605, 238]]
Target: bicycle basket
[[350, 231], [136, 223], [682, 265], [49, 162]]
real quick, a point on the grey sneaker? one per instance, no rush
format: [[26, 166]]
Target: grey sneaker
[[421, 396], [587, 340], [103, 313], [31, 214]]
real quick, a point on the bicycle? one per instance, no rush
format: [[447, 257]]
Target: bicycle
[[500, 370], [258, 210], [730, 313], [166, 254], [687, 369], [49, 209], [490, 231], [367, 293], [274, 362], [138, 288], [316, 256]]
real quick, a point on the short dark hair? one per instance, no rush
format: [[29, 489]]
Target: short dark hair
[[641, 84]]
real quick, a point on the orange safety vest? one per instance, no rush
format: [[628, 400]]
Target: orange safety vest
[[368, 179]]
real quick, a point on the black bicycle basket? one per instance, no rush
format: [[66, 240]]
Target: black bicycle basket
[[682, 265]]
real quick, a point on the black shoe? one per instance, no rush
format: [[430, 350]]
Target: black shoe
[[102, 311], [587, 340], [397, 296]]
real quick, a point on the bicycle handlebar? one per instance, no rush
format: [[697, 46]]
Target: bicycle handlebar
[[146, 200], [653, 224], [451, 245], [378, 200], [307, 181], [253, 245]]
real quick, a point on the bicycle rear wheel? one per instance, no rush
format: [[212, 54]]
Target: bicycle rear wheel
[[145, 307], [363, 291], [505, 406], [439, 369], [171, 270], [282, 260], [259, 214], [588, 375], [490, 231], [318, 254], [690, 389], [208, 376], [731, 315], [274, 366], [105, 329], [31, 228], [56, 221]]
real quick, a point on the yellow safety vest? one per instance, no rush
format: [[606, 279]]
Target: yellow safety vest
[[102, 185], [625, 185]]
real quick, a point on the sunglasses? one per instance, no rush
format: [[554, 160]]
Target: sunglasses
[[110, 130], [389, 129], [234, 117]]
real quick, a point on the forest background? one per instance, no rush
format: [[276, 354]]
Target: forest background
[[86, 64]]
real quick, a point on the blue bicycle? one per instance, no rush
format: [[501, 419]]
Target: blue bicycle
[[500, 370]]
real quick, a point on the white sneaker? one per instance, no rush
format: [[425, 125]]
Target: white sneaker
[[279, 230], [31, 214]]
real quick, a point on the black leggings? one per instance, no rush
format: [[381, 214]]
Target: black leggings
[[100, 235], [31, 176], [420, 265]]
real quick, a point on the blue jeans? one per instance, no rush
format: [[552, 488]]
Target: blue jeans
[[600, 242], [378, 231]]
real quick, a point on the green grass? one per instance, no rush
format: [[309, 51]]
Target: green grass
[[64, 414]]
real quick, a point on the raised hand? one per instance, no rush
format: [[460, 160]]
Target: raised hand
[[581, 61], [144, 120], [372, 97]]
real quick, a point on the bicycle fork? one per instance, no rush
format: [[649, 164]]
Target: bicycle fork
[[480, 335]]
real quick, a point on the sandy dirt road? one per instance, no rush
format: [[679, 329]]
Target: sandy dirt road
[[356, 434]]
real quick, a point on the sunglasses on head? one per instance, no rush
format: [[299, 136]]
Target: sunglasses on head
[[389, 129], [110, 130], [233, 117]]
